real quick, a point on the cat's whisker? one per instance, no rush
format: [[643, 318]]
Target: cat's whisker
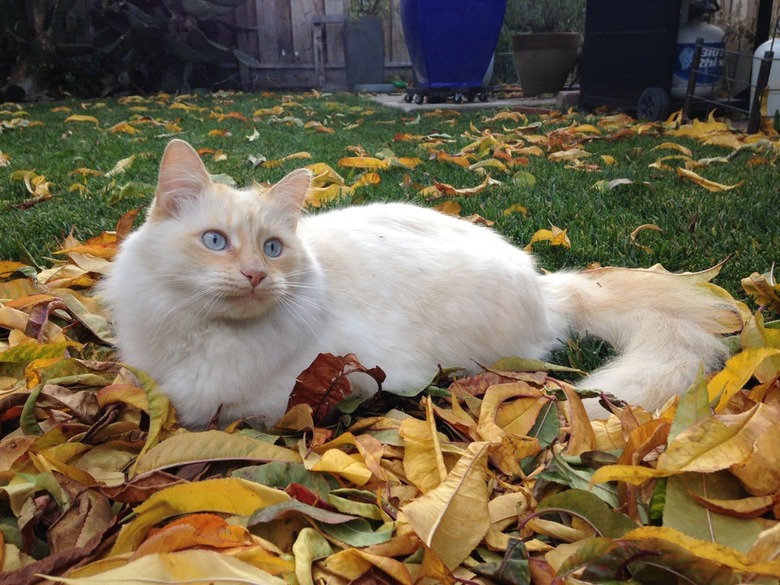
[[292, 310]]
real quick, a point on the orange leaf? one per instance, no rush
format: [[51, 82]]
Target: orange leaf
[[196, 530], [449, 207], [363, 162], [124, 127]]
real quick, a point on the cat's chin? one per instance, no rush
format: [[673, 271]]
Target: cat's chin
[[245, 306]]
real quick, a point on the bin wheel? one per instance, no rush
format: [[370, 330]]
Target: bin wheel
[[653, 104], [408, 98], [417, 98], [482, 96], [458, 98]]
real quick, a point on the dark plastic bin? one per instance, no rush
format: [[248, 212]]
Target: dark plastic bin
[[451, 42], [628, 55]]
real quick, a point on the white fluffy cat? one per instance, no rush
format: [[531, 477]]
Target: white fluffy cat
[[224, 296]]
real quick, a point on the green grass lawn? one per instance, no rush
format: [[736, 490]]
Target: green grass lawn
[[700, 227]]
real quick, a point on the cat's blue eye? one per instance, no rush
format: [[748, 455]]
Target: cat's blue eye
[[272, 248], [215, 240]]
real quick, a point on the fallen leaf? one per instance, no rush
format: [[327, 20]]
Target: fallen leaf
[[706, 183], [555, 236], [454, 517]]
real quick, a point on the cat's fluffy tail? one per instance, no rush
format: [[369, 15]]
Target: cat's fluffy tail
[[664, 326]]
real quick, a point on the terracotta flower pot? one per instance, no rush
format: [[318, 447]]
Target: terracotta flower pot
[[543, 61]]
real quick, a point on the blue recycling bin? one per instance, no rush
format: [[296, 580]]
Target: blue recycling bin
[[451, 43]]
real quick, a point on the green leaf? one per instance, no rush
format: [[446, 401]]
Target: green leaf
[[559, 471], [693, 407], [682, 512], [280, 474], [31, 350], [359, 532], [512, 570], [291, 507], [347, 501], [591, 508]]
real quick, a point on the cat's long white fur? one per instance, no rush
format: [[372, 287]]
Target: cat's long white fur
[[402, 287]]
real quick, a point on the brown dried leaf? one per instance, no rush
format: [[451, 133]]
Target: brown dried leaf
[[325, 383]]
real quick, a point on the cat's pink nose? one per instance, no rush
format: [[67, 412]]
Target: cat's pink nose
[[255, 277]]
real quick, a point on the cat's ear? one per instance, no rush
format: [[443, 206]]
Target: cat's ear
[[290, 193], [182, 177]]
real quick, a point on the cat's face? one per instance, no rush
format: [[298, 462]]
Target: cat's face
[[225, 253]]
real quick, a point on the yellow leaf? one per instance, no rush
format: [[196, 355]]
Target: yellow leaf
[[738, 370], [363, 162], [80, 187], [706, 183], [221, 132], [350, 467], [319, 196], [404, 162], [608, 160], [555, 236], [183, 106], [674, 146], [368, 178], [284, 159], [82, 118], [717, 442], [226, 496], [584, 129], [84, 171], [309, 546], [453, 518], [186, 566], [37, 185], [728, 140], [274, 111], [509, 408], [512, 116], [352, 563], [763, 288], [423, 460], [571, 154], [491, 163], [516, 208], [697, 128], [324, 175], [631, 474], [530, 150]]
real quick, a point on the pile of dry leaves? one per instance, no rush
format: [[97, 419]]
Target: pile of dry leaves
[[499, 478]]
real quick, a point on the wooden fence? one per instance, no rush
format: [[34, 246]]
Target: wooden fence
[[300, 43], [284, 37]]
